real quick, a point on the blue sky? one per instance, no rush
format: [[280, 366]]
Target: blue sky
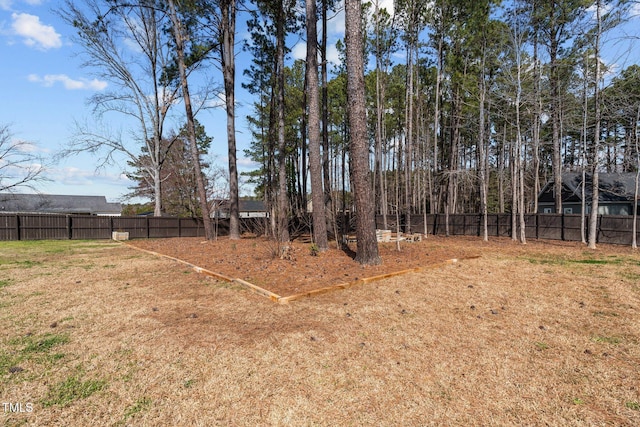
[[44, 91]]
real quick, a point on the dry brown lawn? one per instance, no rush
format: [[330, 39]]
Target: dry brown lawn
[[99, 333]]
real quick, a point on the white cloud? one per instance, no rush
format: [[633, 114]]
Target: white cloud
[[245, 162], [604, 9], [333, 55], [335, 24], [299, 51], [8, 4], [35, 33], [132, 45], [77, 177], [27, 147], [68, 83], [387, 4]]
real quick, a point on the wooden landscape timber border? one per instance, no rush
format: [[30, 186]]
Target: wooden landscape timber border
[[327, 289], [286, 300], [243, 283]]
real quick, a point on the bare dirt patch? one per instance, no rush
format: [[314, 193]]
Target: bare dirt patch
[[96, 333]]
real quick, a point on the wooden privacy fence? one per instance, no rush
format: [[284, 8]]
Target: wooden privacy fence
[[611, 229], [56, 227]]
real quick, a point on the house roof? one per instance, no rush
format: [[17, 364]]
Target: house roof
[[245, 205], [57, 204], [614, 187]]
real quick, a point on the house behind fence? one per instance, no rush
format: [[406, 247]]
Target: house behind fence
[[57, 204]]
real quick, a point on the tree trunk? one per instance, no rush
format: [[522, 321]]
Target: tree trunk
[[367, 246], [636, 137], [315, 165], [408, 157], [537, 94], [157, 190], [554, 84], [191, 130], [283, 205], [378, 171], [501, 169], [330, 206], [481, 152], [229, 72], [593, 218], [583, 160], [436, 117]]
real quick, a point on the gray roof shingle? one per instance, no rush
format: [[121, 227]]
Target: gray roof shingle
[[57, 204]]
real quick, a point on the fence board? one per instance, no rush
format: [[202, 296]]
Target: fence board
[[191, 227], [9, 229], [492, 225], [136, 226], [43, 227], [611, 229], [615, 229], [90, 227], [550, 226], [504, 225], [472, 224], [164, 227]]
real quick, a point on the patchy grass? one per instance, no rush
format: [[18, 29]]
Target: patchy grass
[[33, 344], [30, 350], [140, 405], [541, 346], [499, 340], [72, 389], [607, 340]]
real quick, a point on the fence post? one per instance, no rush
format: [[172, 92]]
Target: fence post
[[537, 225], [18, 234], [435, 224], [148, 226], [562, 227], [464, 225], [69, 227]]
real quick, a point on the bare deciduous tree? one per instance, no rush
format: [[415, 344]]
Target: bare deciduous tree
[[179, 37], [20, 166], [134, 76]]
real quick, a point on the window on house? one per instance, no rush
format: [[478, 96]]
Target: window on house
[[546, 210], [567, 210]]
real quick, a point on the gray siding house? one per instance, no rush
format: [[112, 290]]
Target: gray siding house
[[248, 209], [616, 195], [58, 204]]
